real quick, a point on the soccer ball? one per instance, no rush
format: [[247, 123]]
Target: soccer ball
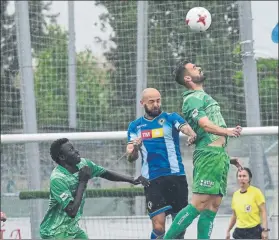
[[198, 19]]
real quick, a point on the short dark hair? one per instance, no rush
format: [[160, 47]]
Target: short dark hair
[[248, 171], [55, 148], [179, 72]]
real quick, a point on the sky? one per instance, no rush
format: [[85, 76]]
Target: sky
[[86, 14]]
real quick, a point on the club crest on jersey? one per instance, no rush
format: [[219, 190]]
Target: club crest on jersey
[[161, 121], [248, 208], [149, 205], [154, 133]]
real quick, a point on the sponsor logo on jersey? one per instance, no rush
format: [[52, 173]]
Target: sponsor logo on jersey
[[155, 133], [140, 126]]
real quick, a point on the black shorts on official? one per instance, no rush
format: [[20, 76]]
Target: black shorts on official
[[167, 194], [248, 233]]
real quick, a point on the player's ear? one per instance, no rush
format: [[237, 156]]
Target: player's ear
[[61, 157], [187, 79]]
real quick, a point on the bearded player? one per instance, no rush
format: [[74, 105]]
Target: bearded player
[[210, 159], [67, 190], [156, 137]]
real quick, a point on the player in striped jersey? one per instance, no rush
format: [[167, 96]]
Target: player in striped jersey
[[156, 136], [67, 190]]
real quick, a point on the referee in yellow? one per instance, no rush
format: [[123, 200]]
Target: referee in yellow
[[249, 211]]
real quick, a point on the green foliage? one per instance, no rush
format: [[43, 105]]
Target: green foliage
[[51, 85], [10, 95], [90, 193]]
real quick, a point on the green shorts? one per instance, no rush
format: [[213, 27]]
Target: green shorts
[[80, 234], [211, 167]]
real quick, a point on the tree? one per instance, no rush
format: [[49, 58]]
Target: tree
[[51, 87], [169, 41], [10, 94]]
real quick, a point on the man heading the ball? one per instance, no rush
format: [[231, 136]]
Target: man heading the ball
[[210, 159]]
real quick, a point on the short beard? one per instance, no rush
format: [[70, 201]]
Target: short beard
[[151, 113], [199, 79]]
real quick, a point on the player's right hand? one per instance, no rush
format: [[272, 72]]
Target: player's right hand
[[234, 132], [85, 174], [136, 144]]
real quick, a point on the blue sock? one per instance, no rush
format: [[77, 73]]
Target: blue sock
[[155, 234]]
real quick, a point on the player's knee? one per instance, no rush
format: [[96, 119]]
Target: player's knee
[[200, 201]]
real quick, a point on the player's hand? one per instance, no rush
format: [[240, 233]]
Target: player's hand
[[141, 180], [135, 146], [3, 217], [192, 138], [235, 161], [264, 235], [85, 174], [228, 236], [235, 132]]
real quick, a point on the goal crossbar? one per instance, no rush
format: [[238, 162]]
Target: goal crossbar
[[117, 135]]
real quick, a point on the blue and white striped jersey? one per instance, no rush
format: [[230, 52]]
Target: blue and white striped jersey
[[160, 151]]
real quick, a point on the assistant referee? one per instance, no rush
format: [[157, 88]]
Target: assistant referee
[[249, 210]]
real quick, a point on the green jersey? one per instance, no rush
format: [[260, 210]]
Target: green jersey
[[198, 104], [63, 186]]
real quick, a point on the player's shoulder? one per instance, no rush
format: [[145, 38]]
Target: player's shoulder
[[170, 115], [255, 190], [57, 176], [135, 123]]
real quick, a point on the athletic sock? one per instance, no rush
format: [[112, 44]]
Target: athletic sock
[[155, 234], [205, 224]]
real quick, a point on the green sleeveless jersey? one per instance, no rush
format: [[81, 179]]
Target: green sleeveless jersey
[[198, 104], [63, 186]]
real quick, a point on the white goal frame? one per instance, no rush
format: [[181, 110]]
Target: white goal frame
[[116, 135]]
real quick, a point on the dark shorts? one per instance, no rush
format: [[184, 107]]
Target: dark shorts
[[248, 233], [167, 194]]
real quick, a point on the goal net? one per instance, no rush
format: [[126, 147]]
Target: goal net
[[106, 89]]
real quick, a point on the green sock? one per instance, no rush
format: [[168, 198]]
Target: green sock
[[182, 220], [205, 224]]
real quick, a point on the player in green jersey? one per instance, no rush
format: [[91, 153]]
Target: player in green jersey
[[210, 159], [67, 190]]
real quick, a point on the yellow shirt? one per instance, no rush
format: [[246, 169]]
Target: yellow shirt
[[246, 207]]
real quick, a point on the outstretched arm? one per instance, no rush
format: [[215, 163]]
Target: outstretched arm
[[117, 177], [210, 127]]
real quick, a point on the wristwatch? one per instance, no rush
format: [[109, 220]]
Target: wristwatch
[[265, 229]]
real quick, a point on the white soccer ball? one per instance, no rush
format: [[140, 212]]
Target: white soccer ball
[[198, 19]]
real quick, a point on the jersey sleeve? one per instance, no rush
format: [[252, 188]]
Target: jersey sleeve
[[61, 192], [259, 197], [97, 170], [177, 121], [193, 108], [233, 200], [132, 134]]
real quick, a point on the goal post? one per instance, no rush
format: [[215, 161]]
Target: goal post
[[117, 135]]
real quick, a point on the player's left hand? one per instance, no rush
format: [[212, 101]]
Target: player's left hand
[[141, 180], [264, 235], [235, 161], [3, 217]]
